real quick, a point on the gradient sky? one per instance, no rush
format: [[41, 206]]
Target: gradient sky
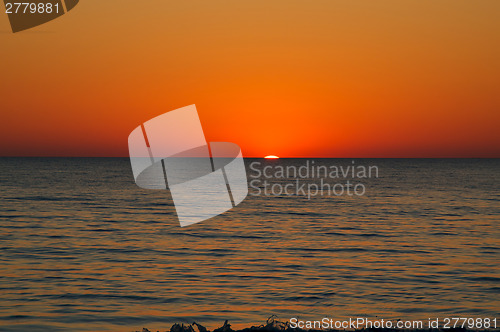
[[324, 78]]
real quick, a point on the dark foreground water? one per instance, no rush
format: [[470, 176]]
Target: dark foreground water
[[82, 248]]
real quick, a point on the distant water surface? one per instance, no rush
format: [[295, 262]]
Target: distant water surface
[[82, 248]]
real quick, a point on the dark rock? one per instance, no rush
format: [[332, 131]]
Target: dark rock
[[198, 328], [181, 328], [224, 328]]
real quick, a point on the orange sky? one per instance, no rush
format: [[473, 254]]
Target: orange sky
[[324, 78]]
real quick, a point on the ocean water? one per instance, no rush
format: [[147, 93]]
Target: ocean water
[[82, 248]]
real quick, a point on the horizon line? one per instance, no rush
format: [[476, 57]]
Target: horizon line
[[263, 157]]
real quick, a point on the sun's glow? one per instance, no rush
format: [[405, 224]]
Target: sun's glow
[[272, 157]]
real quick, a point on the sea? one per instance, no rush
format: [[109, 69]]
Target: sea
[[83, 248]]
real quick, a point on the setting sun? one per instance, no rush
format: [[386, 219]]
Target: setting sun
[[272, 157]]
